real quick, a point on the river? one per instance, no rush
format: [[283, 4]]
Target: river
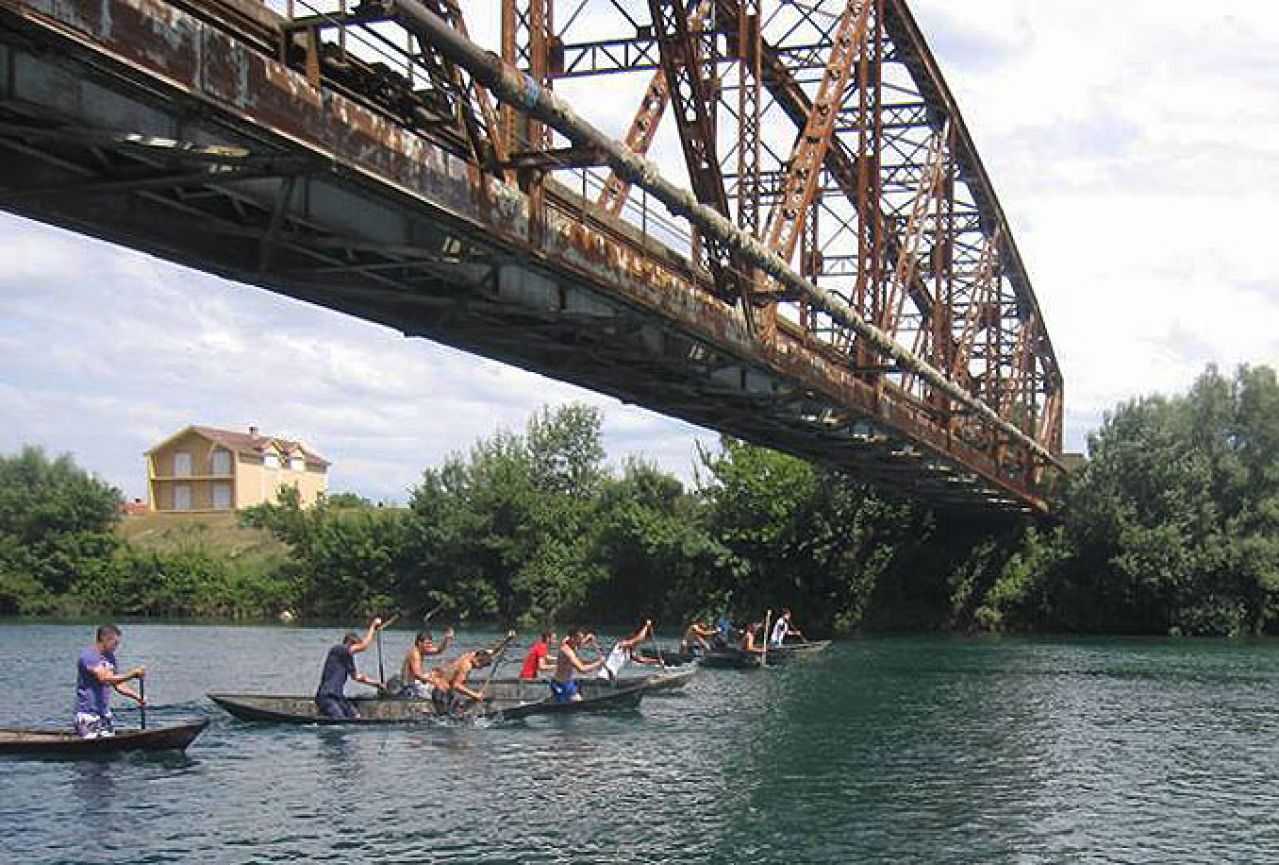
[[881, 750]]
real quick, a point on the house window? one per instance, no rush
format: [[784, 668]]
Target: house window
[[222, 497], [222, 462], [182, 464], [297, 464], [271, 461], [182, 497]]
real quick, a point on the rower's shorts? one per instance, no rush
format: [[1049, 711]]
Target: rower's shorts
[[564, 692], [90, 725]]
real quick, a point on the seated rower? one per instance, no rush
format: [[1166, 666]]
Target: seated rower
[[449, 688], [568, 664], [539, 658], [96, 678], [339, 665], [782, 629], [414, 679], [623, 652], [696, 638]]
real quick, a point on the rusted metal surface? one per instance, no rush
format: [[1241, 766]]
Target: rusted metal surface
[[340, 198]]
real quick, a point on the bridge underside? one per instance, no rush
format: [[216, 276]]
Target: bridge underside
[[142, 124]]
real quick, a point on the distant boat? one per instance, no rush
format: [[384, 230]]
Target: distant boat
[[291, 709], [777, 656], [68, 745]]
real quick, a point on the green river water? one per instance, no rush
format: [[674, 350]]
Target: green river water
[[881, 750]]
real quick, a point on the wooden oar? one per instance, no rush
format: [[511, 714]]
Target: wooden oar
[[142, 702], [497, 659], [652, 638], [763, 657], [431, 615]]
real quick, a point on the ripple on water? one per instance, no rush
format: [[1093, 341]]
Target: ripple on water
[[880, 750]]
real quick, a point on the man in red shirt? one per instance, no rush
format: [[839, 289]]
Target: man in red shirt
[[539, 660]]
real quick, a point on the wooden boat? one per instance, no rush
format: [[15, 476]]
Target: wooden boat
[[671, 657], [779, 655], [513, 705], [58, 743], [528, 690], [732, 659]]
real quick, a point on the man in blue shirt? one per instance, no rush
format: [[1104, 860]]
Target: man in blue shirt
[[339, 665], [96, 677]]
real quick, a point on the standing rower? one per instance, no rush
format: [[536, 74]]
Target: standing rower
[[782, 629], [623, 651], [339, 665], [539, 658], [568, 664], [96, 677], [414, 678]]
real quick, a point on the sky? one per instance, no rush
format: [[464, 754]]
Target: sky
[[1134, 147]]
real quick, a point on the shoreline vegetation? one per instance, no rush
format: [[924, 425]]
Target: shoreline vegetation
[[1172, 527]]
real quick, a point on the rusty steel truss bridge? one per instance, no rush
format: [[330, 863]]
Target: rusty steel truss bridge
[[766, 217]]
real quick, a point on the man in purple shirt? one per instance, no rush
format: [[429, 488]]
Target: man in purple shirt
[[96, 677], [339, 665]]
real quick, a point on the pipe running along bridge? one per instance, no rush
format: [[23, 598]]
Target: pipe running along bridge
[[820, 265]]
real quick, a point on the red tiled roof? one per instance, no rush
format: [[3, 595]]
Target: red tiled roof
[[248, 443]]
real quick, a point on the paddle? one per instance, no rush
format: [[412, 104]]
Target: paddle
[[431, 614], [497, 660], [142, 700], [652, 638], [381, 670], [763, 657]]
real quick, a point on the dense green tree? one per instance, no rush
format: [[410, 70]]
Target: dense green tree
[[56, 526]]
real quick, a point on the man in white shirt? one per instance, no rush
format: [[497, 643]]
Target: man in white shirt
[[623, 651], [782, 629]]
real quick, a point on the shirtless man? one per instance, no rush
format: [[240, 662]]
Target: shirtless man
[[623, 652], [567, 664], [749, 643], [414, 677], [448, 683], [696, 637]]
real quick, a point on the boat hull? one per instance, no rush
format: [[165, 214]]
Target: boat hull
[[781, 655], [69, 746], [530, 700]]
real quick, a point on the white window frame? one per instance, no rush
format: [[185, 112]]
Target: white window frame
[[183, 464], [297, 464], [271, 461], [223, 457], [177, 504], [223, 499]]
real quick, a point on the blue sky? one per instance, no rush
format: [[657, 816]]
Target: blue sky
[[1135, 147]]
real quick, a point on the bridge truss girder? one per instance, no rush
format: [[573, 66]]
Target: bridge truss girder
[[900, 216]]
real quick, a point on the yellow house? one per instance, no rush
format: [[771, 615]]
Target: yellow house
[[204, 469]]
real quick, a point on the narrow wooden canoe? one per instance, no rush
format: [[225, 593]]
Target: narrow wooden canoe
[[672, 657], [530, 690], [778, 655], [68, 745], [293, 709], [732, 659]]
